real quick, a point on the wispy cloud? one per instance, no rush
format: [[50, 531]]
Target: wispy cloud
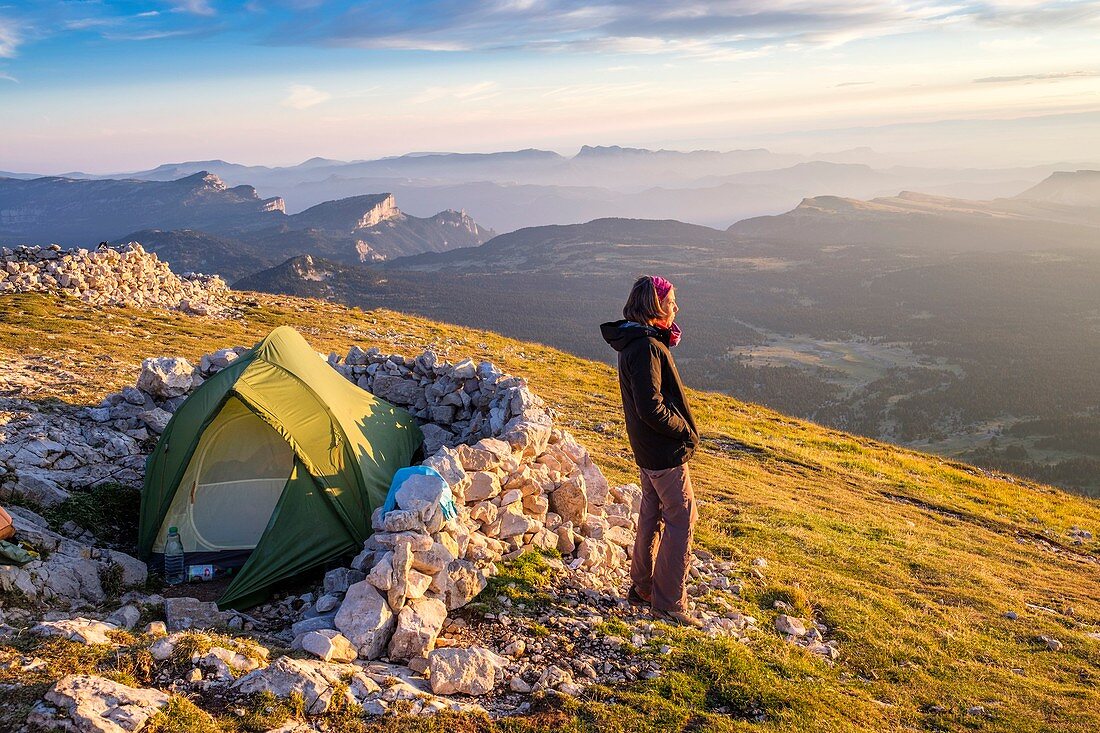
[[80, 24], [195, 7], [723, 29], [853, 83], [1038, 77], [9, 38], [146, 35], [1009, 44], [465, 92], [303, 96], [717, 30], [8, 77]]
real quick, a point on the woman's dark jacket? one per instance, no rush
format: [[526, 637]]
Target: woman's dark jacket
[[659, 423]]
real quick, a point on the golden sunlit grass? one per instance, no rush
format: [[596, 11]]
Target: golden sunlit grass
[[911, 559]]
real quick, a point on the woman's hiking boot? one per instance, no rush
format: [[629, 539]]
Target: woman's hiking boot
[[635, 598], [678, 618]]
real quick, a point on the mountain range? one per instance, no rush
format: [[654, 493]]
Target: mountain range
[[509, 190], [201, 223]]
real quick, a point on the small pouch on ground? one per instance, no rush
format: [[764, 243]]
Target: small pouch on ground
[[7, 528]]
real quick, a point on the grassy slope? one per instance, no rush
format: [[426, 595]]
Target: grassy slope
[[911, 558]]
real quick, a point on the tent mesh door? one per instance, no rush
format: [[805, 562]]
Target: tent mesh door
[[232, 484]]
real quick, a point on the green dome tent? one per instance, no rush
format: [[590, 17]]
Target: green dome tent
[[276, 461]]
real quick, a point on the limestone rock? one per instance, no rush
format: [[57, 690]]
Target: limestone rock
[[469, 671], [91, 704], [166, 376], [630, 495], [125, 617], [570, 501], [316, 681], [419, 491], [134, 571], [191, 613], [366, 620], [446, 462], [483, 485], [476, 459], [789, 625], [156, 419], [83, 630], [329, 645], [227, 664], [464, 580], [418, 625], [398, 390]]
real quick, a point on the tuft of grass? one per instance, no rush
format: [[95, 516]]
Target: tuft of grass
[[538, 630], [791, 594], [181, 715], [614, 627], [190, 644], [522, 580], [109, 511], [110, 578], [264, 711]]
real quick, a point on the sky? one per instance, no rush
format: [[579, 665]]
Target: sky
[[101, 87]]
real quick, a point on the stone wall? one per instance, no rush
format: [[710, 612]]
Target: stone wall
[[123, 276], [456, 403]]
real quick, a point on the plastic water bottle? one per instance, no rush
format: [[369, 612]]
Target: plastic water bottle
[[173, 558]]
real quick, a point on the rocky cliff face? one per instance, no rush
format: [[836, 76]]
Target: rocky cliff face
[[1072, 188], [348, 215], [372, 229]]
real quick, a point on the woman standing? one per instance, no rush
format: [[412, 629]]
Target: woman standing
[[663, 437]]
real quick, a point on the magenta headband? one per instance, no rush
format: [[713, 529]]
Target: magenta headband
[[661, 285]]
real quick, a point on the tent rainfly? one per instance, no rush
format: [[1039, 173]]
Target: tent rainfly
[[272, 465]]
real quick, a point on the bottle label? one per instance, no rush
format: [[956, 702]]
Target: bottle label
[[200, 572]]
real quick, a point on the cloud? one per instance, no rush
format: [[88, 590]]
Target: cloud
[[10, 38], [853, 83], [146, 35], [720, 29], [1032, 14], [81, 24], [1010, 44], [8, 77], [714, 30], [303, 96], [194, 7], [1038, 77], [464, 92]]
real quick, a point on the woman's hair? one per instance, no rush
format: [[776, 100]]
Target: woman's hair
[[642, 305]]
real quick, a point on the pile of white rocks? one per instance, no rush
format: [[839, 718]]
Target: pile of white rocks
[[458, 403], [116, 276], [525, 493]]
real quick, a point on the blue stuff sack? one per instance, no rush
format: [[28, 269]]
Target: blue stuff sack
[[446, 498]]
